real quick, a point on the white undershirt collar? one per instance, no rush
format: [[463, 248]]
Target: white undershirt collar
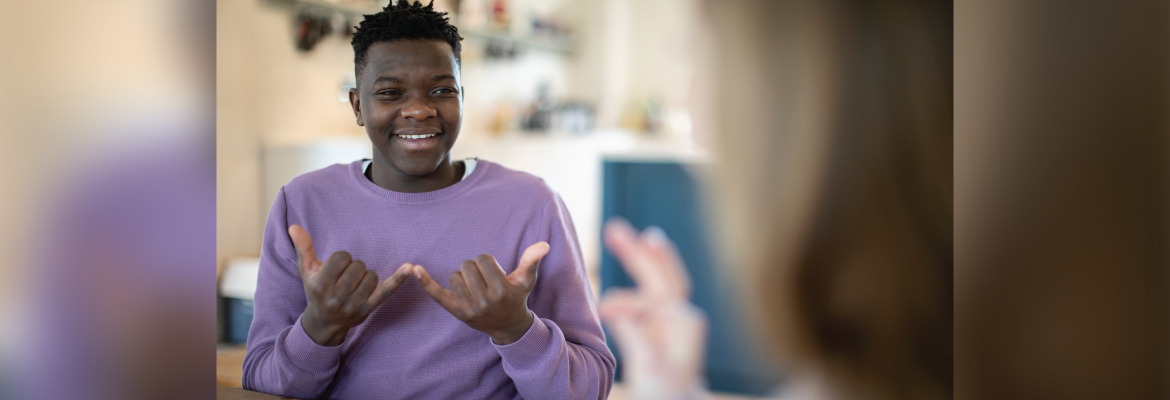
[[469, 163]]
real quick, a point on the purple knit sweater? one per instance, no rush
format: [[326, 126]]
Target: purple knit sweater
[[410, 347]]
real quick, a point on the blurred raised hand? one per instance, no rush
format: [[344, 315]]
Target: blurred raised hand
[[659, 332]]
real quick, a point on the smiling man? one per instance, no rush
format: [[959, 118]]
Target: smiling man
[[516, 318]]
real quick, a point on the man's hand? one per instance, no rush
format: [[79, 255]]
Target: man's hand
[[487, 300], [341, 291]]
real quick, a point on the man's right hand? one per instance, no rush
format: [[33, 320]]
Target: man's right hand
[[341, 291]]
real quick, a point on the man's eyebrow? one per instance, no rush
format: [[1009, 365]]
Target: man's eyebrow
[[390, 79], [443, 77]]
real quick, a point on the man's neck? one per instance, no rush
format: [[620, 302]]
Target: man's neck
[[382, 174]]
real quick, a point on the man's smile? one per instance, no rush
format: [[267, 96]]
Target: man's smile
[[417, 140], [417, 136]]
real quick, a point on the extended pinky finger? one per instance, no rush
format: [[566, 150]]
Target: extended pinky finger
[[442, 296], [388, 286]]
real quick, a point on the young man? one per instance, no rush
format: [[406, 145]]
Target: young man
[[498, 329]]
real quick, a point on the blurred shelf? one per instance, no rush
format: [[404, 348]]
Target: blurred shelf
[[351, 9], [563, 45], [559, 45]]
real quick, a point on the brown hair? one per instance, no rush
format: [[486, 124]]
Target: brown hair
[[835, 138]]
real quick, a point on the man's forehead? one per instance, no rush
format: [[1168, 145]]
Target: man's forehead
[[428, 57]]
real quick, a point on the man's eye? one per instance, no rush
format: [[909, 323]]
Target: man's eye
[[388, 93], [444, 90]]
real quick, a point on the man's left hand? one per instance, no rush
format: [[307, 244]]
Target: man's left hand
[[486, 299]]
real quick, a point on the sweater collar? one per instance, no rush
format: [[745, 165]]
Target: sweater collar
[[359, 177]]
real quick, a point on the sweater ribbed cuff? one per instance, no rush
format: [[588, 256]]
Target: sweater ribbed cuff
[[532, 348], [309, 356]]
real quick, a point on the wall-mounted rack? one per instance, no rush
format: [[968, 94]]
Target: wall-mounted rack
[[355, 10]]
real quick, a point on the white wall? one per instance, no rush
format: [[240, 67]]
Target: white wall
[[268, 92]]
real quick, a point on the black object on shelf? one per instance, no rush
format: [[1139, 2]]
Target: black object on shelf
[[310, 29]]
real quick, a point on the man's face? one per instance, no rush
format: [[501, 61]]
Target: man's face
[[410, 103]]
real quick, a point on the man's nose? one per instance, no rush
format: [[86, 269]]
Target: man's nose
[[418, 109]]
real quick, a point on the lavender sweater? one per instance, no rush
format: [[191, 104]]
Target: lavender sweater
[[410, 347]]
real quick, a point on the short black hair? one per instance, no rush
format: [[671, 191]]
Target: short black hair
[[402, 21]]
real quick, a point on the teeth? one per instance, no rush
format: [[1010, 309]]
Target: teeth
[[417, 136]]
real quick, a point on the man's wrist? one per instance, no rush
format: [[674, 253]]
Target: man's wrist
[[515, 333], [321, 333]]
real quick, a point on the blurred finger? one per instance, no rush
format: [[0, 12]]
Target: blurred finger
[[640, 262], [619, 302], [667, 254]]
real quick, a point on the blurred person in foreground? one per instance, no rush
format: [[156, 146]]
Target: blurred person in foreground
[[123, 281], [834, 127]]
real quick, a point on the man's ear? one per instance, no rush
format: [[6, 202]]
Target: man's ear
[[356, 103]]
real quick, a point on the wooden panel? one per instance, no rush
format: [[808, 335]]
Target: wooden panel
[[229, 367]]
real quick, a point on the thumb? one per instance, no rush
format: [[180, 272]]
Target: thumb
[[525, 273], [303, 243]]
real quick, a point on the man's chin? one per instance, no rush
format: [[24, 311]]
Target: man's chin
[[420, 169]]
